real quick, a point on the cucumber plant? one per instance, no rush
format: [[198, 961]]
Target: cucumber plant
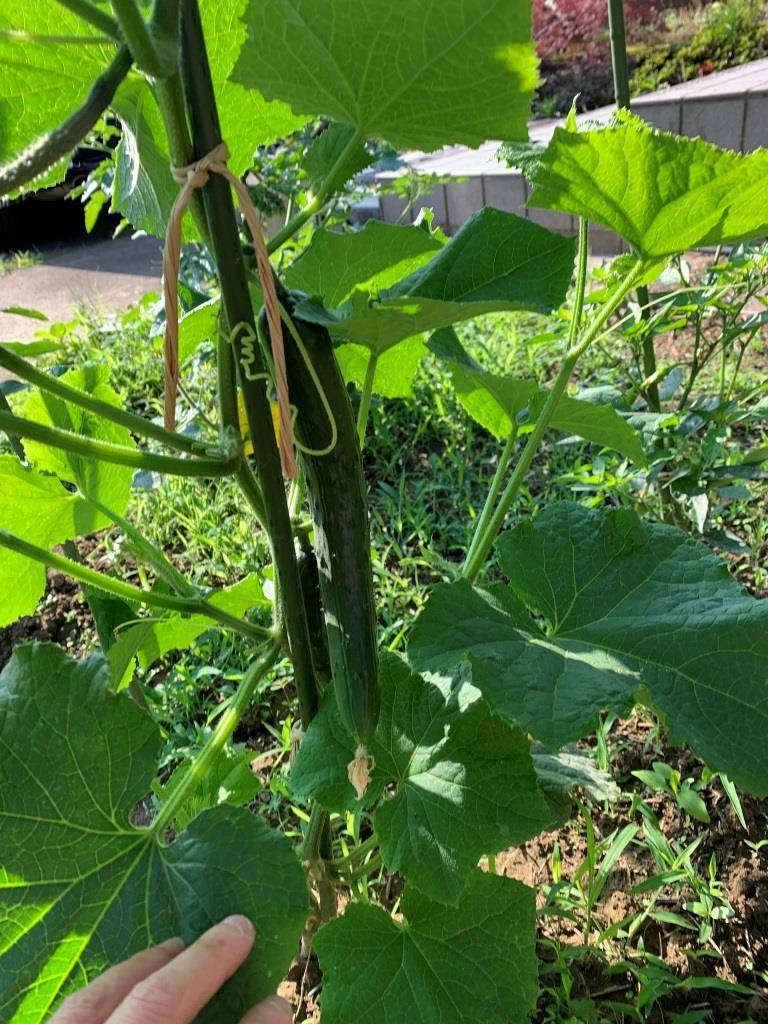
[[598, 611]]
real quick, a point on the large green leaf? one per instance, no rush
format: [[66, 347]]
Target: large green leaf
[[334, 266], [472, 964], [150, 640], [80, 886], [628, 610], [495, 402], [105, 482], [41, 510], [421, 75], [395, 368], [144, 186], [661, 192], [464, 782], [44, 81], [497, 261], [144, 190], [371, 260], [247, 119]]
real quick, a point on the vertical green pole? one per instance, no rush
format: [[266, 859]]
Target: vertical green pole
[[621, 94]]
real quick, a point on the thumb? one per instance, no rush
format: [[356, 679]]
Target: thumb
[[273, 1010]]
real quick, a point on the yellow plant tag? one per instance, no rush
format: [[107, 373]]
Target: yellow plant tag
[[242, 419]]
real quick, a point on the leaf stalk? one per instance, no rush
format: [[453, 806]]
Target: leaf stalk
[[225, 726]]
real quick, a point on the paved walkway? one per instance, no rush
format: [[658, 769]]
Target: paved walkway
[[106, 275]]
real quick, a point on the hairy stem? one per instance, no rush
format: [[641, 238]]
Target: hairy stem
[[336, 178], [236, 303], [127, 591], [13, 439], [473, 564], [117, 454], [94, 16], [58, 143], [358, 853], [365, 397], [24, 370], [164, 568], [140, 42], [622, 96], [225, 726], [493, 492]]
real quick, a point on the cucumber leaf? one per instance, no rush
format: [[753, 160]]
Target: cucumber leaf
[[103, 481], [82, 888], [151, 640], [335, 265], [327, 149], [419, 75], [495, 401], [41, 510], [464, 782], [472, 964], [395, 368], [44, 81], [198, 325], [661, 192], [497, 261], [629, 611], [144, 189], [144, 186], [248, 120]]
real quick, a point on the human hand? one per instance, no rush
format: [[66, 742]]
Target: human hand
[[169, 984]]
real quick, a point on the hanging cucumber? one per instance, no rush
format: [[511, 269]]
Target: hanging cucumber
[[337, 496], [309, 577]]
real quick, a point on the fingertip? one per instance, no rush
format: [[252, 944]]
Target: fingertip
[[240, 924]]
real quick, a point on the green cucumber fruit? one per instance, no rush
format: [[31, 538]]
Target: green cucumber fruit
[[339, 506], [309, 578]]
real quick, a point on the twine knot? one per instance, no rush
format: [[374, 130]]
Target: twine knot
[[194, 176]]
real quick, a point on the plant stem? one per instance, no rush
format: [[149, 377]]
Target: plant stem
[[140, 42], [483, 546], [170, 100], [153, 555], [365, 397], [622, 97], [367, 869], [13, 440], [58, 143], [236, 303], [117, 454], [94, 16], [358, 853], [336, 178], [225, 726], [24, 370], [618, 53], [249, 485], [493, 492], [127, 591]]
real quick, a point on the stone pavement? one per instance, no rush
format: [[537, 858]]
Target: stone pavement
[[105, 275]]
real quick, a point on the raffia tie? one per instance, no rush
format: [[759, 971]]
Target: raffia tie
[[191, 177]]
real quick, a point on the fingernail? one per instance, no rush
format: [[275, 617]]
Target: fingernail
[[241, 925], [174, 945]]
